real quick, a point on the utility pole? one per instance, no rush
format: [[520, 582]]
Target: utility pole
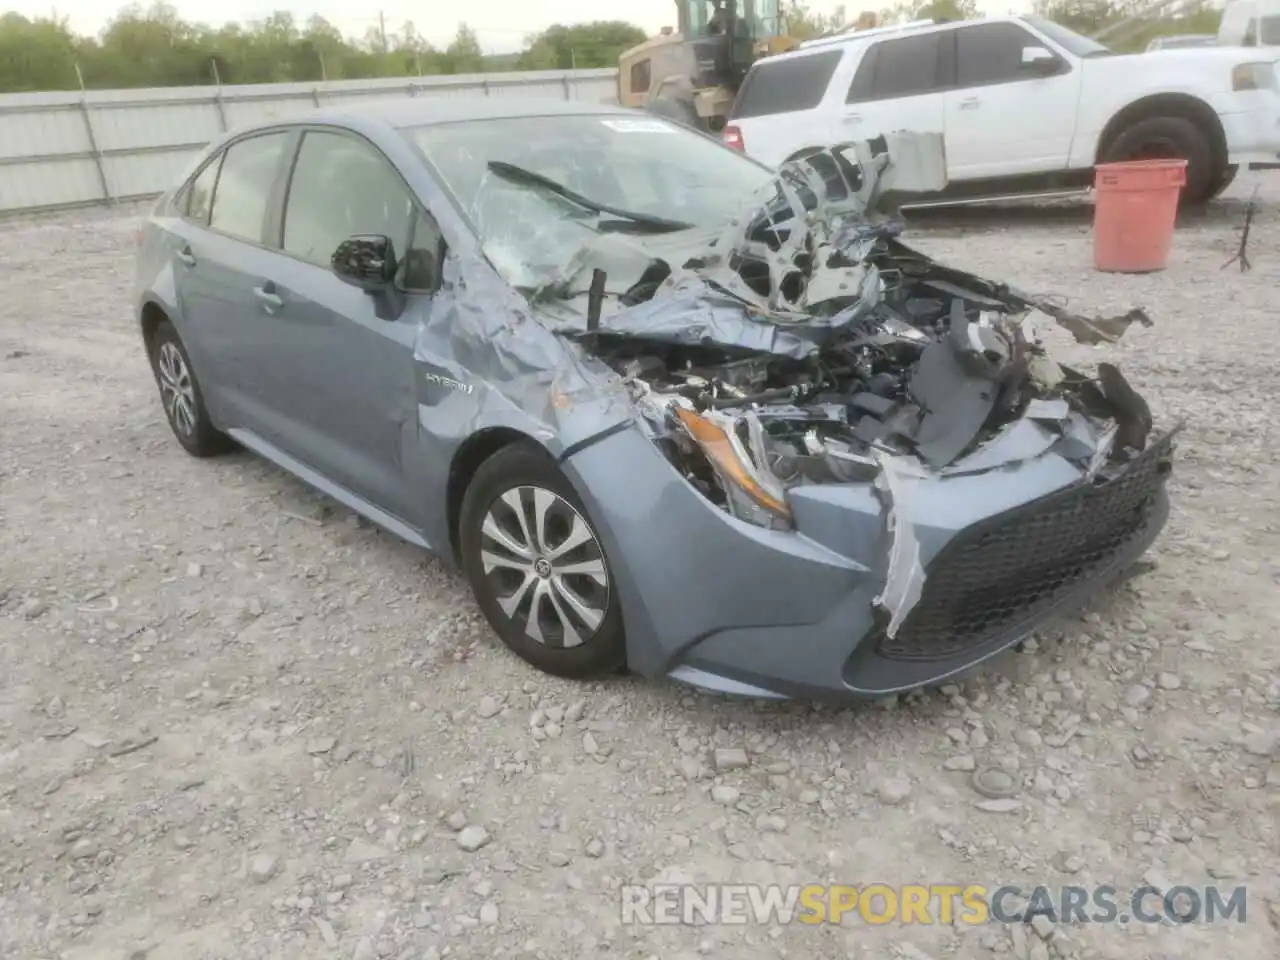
[[382, 30]]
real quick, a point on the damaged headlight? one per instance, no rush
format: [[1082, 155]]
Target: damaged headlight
[[753, 494]]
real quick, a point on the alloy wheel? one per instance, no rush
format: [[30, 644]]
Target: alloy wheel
[[177, 392], [545, 566]]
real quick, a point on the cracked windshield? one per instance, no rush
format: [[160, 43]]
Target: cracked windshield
[[537, 189]]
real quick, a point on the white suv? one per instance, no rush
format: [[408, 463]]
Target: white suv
[[1025, 105]]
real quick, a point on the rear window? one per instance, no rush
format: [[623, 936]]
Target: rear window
[[786, 85]]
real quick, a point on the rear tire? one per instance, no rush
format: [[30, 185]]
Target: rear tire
[[537, 567], [1170, 137], [181, 397]]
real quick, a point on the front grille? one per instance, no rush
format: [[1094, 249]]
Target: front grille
[[1012, 567]]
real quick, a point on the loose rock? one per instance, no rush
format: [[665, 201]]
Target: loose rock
[[473, 838], [1137, 695], [1007, 805], [263, 867], [722, 793], [730, 758], [893, 791]]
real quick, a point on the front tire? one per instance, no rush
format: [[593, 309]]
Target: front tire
[[537, 567], [181, 396], [1170, 137]]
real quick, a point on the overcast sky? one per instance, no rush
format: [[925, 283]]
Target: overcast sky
[[501, 25]]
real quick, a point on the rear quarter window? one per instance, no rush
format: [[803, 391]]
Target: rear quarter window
[[786, 85]]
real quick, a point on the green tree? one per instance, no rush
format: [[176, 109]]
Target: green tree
[[1090, 17], [907, 10], [1083, 16], [581, 46], [149, 47], [36, 54], [804, 23], [463, 54]]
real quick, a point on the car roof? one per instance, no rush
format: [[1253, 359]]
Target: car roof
[[841, 40], [428, 110]]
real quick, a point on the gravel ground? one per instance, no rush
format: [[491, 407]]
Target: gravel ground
[[237, 722]]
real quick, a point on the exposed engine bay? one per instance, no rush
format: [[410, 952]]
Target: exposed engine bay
[[816, 348], [813, 347], [935, 387]]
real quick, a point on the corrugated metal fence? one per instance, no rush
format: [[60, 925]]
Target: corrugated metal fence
[[68, 149]]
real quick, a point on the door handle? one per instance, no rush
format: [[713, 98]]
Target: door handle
[[270, 299], [853, 118], [187, 257], [970, 103]]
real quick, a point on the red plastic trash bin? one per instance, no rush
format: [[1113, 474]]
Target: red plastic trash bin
[[1134, 214]]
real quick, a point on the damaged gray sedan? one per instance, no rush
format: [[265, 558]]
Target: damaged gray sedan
[[666, 409]]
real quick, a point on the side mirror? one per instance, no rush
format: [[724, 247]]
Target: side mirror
[[366, 261], [1039, 60]]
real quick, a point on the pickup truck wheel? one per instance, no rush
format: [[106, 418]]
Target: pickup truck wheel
[[1224, 181], [1158, 138]]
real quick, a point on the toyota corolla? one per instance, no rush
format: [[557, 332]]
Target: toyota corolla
[[665, 408]]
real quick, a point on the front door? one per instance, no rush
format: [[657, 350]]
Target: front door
[[1005, 117], [344, 375]]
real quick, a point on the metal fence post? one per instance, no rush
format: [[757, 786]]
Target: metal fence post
[[93, 140], [564, 82], [315, 96], [217, 97]]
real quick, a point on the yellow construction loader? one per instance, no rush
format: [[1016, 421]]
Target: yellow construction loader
[[693, 73]]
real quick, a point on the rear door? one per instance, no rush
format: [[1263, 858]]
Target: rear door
[[343, 396], [897, 86], [1002, 118], [779, 108], [219, 263]]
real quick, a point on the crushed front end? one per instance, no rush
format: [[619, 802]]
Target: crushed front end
[[932, 485]]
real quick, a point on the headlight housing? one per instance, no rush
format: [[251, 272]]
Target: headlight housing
[[1253, 76], [753, 493]]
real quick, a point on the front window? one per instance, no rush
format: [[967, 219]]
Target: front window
[[537, 189], [1068, 39]]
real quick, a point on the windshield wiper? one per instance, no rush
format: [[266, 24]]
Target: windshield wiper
[[509, 171]]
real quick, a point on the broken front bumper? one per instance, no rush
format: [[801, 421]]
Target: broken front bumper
[[719, 603]]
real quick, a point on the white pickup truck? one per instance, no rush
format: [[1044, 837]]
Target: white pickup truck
[[1026, 106]]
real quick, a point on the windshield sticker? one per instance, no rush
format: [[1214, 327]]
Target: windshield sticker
[[639, 126]]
